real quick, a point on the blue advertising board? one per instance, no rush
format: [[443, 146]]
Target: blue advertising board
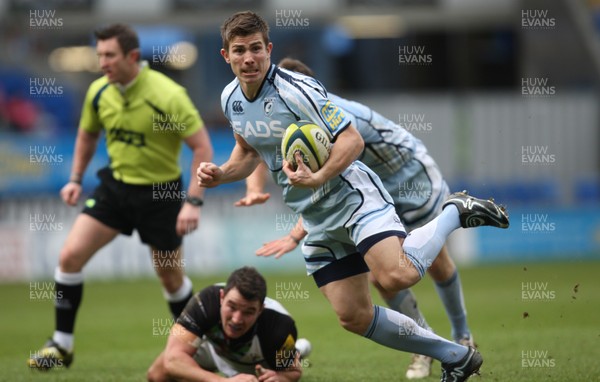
[[38, 165]]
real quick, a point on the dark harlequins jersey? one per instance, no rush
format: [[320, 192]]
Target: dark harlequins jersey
[[269, 342]]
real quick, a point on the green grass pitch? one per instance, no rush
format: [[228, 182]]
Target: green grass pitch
[[532, 322]]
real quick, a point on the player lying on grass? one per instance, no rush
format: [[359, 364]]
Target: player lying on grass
[[350, 218], [234, 330], [418, 189]]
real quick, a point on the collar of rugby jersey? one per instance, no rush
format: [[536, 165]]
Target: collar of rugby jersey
[[142, 71]]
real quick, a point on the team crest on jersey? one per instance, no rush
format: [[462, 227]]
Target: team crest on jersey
[[268, 106], [237, 107]]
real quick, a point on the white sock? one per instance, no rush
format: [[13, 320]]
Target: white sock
[[184, 290], [75, 278], [64, 340]]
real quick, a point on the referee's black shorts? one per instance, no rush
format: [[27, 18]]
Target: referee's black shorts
[[151, 210]]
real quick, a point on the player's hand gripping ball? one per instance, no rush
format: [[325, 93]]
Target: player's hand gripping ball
[[310, 140]]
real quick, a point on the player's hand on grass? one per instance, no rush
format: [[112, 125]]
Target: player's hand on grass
[[266, 375], [252, 198], [70, 193], [277, 247], [243, 378], [188, 219], [303, 176], [208, 174]]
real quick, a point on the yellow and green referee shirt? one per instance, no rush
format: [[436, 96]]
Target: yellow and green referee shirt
[[144, 124]]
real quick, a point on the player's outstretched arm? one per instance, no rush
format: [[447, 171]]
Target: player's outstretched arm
[[347, 147], [178, 362], [285, 244], [242, 161], [85, 147], [255, 185]]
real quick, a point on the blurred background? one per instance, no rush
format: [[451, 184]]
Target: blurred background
[[504, 93]]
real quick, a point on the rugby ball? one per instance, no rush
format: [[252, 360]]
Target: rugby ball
[[303, 347], [310, 140]]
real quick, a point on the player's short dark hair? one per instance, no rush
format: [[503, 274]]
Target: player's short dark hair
[[296, 66], [251, 285], [243, 24], [126, 37]]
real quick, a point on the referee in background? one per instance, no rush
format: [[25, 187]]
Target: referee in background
[[145, 116]]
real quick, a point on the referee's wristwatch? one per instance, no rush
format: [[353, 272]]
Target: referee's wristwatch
[[194, 201]]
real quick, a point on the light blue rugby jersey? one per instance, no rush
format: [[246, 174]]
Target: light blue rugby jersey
[[388, 146], [284, 98], [402, 162]]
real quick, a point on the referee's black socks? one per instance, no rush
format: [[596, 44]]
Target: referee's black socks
[[69, 290]]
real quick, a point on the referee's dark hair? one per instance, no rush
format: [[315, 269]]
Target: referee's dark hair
[[251, 285], [126, 36]]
